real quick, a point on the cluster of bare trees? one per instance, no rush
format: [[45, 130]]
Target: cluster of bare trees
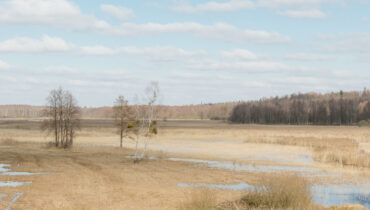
[[63, 117], [342, 108], [136, 122]]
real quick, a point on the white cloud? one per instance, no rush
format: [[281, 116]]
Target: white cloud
[[311, 13], [186, 75], [350, 42], [365, 57], [232, 5], [239, 54], [77, 82], [294, 3], [62, 13], [235, 5], [217, 31], [4, 66], [29, 45], [365, 19], [98, 50], [307, 57], [298, 80], [255, 84], [48, 12], [118, 12], [165, 53], [59, 70], [8, 79], [55, 44], [253, 66]]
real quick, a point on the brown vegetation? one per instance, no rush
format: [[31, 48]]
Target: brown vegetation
[[343, 158], [99, 178], [123, 115], [219, 111], [340, 151], [200, 199], [95, 174], [280, 191]]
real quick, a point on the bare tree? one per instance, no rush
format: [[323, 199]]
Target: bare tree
[[71, 118], [52, 124], [123, 116], [63, 117], [138, 126], [152, 93]]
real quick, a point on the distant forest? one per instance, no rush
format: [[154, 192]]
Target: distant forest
[[188, 112], [341, 108]]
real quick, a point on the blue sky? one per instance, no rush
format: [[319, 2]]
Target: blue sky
[[199, 51]]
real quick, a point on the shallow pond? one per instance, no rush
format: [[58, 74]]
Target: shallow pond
[[235, 187], [13, 184], [342, 194], [4, 167], [16, 196], [9, 173], [335, 194], [5, 171], [228, 165]]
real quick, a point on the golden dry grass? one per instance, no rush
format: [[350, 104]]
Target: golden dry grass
[[280, 191], [339, 151], [95, 174], [101, 178], [200, 199], [339, 157]]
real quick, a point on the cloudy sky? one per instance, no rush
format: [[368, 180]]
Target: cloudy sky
[[198, 51]]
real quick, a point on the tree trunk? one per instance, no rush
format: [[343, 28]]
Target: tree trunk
[[121, 137]]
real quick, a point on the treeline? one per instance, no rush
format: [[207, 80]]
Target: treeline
[[341, 108], [220, 111], [20, 111]]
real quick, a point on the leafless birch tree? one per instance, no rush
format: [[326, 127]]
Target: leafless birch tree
[[145, 118]]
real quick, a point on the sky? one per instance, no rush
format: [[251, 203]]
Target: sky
[[204, 51]]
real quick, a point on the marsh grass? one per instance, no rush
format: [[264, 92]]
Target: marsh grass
[[9, 142], [311, 142], [343, 158], [340, 151], [280, 191], [200, 199], [364, 123]]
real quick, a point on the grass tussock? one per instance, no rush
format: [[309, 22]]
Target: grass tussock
[[280, 192], [200, 199]]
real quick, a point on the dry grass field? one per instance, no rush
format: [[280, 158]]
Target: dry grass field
[[96, 174]]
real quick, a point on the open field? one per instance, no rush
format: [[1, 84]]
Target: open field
[[97, 174]]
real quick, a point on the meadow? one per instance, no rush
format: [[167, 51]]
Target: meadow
[[191, 164]]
